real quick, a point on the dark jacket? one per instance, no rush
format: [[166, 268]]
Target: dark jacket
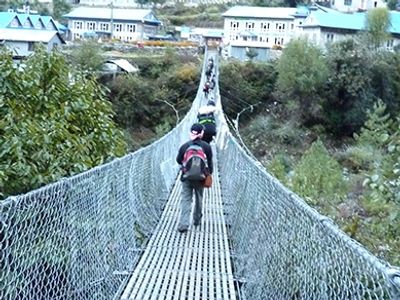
[[206, 148], [210, 128]]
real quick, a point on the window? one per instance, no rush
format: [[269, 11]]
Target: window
[[249, 25], [118, 27], [78, 25], [28, 24], [235, 25], [91, 26], [329, 37], [389, 44], [77, 36], [104, 27], [347, 2], [280, 26], [292, 26], [131, 28], [31, 46]]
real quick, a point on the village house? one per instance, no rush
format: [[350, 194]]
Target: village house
[[326, 26], [356, 5], [21, 31], [260, 28], [123, 24]]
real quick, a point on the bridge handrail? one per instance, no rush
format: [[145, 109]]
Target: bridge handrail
[[258, 206]]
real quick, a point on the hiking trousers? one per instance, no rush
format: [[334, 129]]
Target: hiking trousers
[[188, 189]]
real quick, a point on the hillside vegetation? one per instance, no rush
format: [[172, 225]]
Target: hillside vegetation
[[327, 126]]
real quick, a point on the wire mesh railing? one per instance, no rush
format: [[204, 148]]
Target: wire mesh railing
[[284, 249], [81, 237]]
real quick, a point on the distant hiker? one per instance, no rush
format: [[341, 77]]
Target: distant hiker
[[206, 118], [208, 73], [212, 82], [210, 64], [206, 89], [195, 158]]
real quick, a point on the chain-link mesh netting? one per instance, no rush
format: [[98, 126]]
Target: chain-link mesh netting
[[80, 237], [282, 248]]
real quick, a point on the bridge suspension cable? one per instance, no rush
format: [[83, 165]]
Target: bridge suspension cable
[[83, 236]]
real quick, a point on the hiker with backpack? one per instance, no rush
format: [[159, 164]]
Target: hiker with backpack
[[195, 158], [206, 118], [206, 89]]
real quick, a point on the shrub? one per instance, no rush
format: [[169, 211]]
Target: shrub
[[53, 123], [318, 177]]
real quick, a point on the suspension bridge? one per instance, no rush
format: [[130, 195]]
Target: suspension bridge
[[111, 233]]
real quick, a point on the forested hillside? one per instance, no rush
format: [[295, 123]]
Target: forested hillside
[[326, 124]]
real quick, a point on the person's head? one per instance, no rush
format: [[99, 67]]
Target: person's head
[[211, 102], [196, 131]]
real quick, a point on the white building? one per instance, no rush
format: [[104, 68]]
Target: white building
[[324, 27], [251, 26], [122, 24], [356, 5], [20, 32], [104, 3]]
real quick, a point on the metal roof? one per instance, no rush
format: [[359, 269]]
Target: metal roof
[[123, 64], [27, 35], [117, 14], [261, 12], [350, 21], [7, 17]]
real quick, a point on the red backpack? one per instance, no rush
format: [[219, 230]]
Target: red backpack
[[194, 163]]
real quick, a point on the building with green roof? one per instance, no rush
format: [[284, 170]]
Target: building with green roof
[[323, 28]]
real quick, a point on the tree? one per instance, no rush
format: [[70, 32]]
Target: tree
[[251, 53], [53, 122], [60, 8], [302, 74], [376, 130], [349, 93], [87, 56], [254, 83], [318, 176], [377, 24]]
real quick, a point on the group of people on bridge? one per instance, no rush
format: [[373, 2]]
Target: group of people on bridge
[[196, 159], [210, 77]]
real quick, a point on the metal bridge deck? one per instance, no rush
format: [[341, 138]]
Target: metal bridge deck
[[194, 265]]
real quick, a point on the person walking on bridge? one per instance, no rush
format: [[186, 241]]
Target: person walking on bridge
[[206, 118], [196, 160]]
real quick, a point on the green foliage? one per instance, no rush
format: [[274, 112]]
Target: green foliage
[[60, 8], [376, 129], [302, 73], [318, 176], [254, 83], [385, 79], [377, 24], [87, 56], [349, 85], [52, 124], [154, 100], [279, 167], [251, 53]]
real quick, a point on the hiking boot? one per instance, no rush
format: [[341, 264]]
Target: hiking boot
[[183, 228], [197, 222]]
